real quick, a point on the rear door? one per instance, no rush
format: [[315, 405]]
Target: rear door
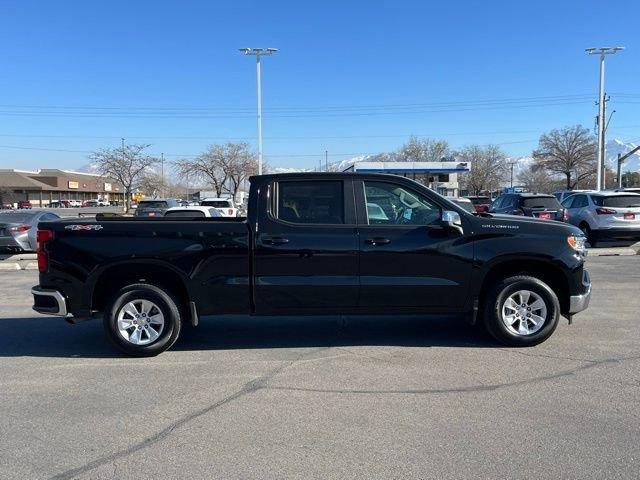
[[305, 246], [408, 260]]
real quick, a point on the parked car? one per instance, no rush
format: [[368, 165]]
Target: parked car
[[90, 204], [480, 203], [18, 229], [224, 205], [465, 203], [562, 195], [192, 212], [605, 215], [629, 189], [155, 208], [74, 203], [309, 246], [24, 204], [59, 204], [538, 205]]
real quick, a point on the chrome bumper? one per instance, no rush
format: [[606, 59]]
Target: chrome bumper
[[579, 303], [59, 306]]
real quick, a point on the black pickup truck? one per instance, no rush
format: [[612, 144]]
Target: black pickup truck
[[314, 243]]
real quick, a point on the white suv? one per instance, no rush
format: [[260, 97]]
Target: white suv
[[224, 205], [605, 215]]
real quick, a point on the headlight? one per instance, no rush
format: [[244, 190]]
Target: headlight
[[578, 243]]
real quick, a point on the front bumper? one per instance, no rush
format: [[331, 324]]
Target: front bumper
[[580, 302], [50, 302]]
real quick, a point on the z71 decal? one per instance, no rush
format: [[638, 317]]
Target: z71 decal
[[83, 227]]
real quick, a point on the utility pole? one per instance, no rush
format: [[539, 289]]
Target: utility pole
[[162, 175], [511, 164], [326, 160], [602, 51], [259, 52]]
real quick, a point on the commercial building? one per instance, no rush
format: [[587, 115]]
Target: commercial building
[[439, 176], [42, 187]]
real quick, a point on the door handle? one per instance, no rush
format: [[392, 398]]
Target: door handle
[[378, 241], [275, 240]]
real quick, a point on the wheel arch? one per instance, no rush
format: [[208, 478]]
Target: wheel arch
[[548, 272], [110, 279]]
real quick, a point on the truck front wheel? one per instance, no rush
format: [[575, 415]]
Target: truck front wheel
[[142, 320], [522, 311]]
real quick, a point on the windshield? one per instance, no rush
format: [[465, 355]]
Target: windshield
[[153, 204], [541, 202], [216, 203], [620, 201]]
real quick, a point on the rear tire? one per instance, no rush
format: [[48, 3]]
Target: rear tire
[[521, 311], [142, 320]]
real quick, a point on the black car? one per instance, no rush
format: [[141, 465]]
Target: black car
[[155, 208], [314, 243], [537, 205]]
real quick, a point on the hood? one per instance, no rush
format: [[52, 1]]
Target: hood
[[516, 223]]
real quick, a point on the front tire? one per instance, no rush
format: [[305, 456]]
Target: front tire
[[522, 311], [142, 320]]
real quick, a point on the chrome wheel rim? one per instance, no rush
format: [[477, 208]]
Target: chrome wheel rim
[[524, 312], [140, 322]]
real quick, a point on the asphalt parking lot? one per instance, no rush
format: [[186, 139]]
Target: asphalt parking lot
[[325, 397]]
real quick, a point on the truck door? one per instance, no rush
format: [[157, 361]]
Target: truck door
[[408, 259], [305, 252]]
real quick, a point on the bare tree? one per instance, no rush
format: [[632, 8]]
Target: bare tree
[[538, 180], [127, 165], [570, 152], [240, 163], [223, 167], [488, 168], [423, 150]]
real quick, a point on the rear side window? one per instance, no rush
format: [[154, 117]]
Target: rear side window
[[185, 213], [311, 202], [540, 202], [480, 200], [620, 201]]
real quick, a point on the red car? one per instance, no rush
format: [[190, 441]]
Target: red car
[[24, 204], [481, 204]]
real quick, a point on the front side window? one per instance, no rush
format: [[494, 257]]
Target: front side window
[[390, 204], [311, 202]]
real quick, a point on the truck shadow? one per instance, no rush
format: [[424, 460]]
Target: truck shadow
[[52, 337]]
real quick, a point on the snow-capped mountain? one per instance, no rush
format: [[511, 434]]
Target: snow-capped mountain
[[615, 147]]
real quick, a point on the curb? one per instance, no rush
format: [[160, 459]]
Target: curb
[[20, 261]]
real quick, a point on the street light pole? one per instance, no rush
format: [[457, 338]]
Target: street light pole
[[259, 52], [602, 51]]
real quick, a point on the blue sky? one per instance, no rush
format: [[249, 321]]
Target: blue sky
[[350, 77]]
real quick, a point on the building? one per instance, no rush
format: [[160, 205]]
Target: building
[[42, 187], [439, 176]]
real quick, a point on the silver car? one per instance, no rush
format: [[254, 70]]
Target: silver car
[[18, 229], [605, 215]]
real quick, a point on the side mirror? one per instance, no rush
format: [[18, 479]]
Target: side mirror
[[452, 220]]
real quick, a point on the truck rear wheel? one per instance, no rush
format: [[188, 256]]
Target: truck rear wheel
[[522, 311], [142, 320]]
